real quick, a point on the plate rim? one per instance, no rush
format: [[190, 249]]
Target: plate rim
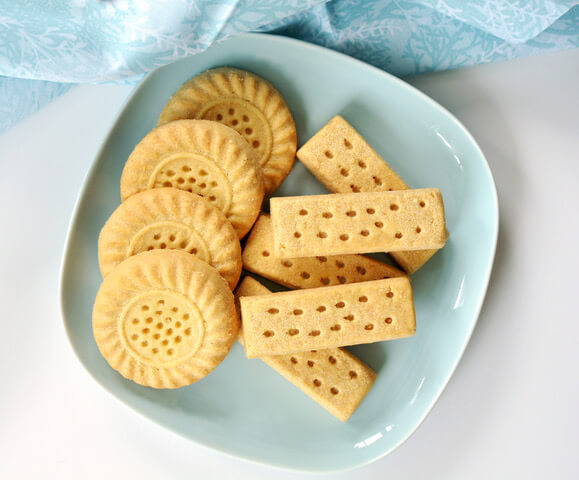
[[486, 275]]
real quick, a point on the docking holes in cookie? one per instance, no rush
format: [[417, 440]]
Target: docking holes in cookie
[[162, 327], [329, 310], [196, 174]]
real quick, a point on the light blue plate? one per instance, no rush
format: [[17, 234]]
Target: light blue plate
[[243, 408]]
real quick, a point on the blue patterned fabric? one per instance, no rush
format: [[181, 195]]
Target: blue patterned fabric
[[48, 45], [407, 37]]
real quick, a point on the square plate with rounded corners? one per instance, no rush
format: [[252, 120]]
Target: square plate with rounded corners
[[243, 408]]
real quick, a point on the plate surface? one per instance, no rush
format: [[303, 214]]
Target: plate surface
[[243, 408]]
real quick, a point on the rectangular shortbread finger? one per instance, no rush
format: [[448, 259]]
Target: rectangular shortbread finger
[[343, 162], [337, 224], [333, 377], [327, 317], [309, 272]]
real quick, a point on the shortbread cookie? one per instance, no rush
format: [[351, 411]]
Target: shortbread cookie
[[343, 162], [250, 105], [200, 157], [172, 219], [164, 318], [332, 377], [307, 272], [316, 318], [357, 223]]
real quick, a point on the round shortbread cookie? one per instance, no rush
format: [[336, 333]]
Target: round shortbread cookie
[[203, 157], [164, 319], [168, 218], [250, 105]]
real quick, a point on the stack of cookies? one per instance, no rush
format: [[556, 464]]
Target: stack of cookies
[[170, 254]]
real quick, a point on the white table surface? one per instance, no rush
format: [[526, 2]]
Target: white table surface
[[511, 409]]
